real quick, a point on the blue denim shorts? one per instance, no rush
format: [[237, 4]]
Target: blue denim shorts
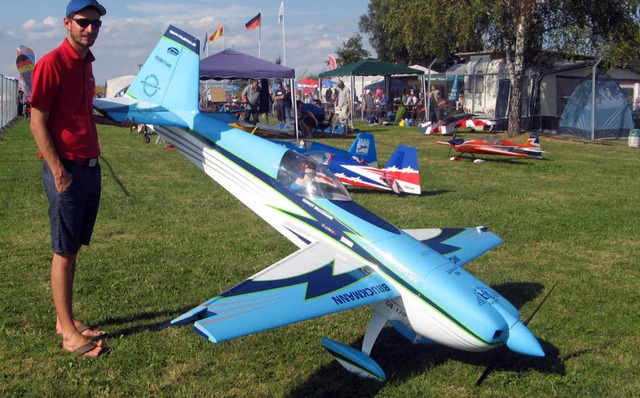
[[73, 212]]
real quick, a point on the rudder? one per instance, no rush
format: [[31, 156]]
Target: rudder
[[403, 157], [170, 76], [364, 148]]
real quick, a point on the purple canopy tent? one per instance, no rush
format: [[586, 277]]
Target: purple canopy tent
[[230, 64]]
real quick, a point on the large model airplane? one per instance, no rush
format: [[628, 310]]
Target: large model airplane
[[348, 257], [495, 145], [359, 165]]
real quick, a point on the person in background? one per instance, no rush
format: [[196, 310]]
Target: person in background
[[442, 110], [343, 106], [64, 128], [278, 97], [369, 105], [287, 102], [460, 102], [265, 101], [328, 95], [251, 99], [310, 117]]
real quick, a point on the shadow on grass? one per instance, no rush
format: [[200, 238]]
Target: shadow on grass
[[433, 192], [143, 322], [403, 361], [512, 161], [114, 176]]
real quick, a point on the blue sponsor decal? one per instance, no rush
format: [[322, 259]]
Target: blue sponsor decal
[[150, 85], [360, 294], [163, 62]]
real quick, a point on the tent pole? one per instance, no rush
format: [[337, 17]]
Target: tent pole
[[593, 99], [352, 94], [362, 96], [427, 94]]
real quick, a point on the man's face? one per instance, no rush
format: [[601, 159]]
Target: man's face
[[81, 38], [309, 173]]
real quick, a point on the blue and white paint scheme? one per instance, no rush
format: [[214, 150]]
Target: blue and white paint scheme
[[348, 257]]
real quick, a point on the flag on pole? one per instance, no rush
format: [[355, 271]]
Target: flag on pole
[[219, 32], [454, 90], [281, 12], [332, 62], [204, 42], [254, 22], [25, 63]]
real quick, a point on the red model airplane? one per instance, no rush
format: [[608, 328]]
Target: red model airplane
[[494, 145]]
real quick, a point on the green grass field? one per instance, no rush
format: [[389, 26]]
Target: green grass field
[[168, 238]]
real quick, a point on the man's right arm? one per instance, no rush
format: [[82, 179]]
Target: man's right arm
[[47, 148]]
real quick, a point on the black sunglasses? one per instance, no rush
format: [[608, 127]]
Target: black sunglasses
[[84, 23]]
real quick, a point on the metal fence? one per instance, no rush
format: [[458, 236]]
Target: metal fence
[[8, 99]]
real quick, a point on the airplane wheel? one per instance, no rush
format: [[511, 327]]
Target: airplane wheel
[[147, 139]]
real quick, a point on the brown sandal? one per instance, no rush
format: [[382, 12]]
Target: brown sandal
[[90, 346]]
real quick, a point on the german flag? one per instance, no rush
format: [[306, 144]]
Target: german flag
[[216, 34], [254, 22]]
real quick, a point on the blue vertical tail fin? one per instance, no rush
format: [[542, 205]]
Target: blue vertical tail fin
[[165, 91], [404, 157], [170, 76], [364, 148]]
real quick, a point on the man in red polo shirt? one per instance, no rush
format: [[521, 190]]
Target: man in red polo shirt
[[64, 128]]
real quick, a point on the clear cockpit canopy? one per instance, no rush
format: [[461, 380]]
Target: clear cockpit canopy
[[310, 179]]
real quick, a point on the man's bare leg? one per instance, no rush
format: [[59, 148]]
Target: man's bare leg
[[89, 333], [62, 276]]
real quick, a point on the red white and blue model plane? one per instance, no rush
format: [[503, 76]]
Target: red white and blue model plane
[[358, 166], [496, 145], [348, 257]]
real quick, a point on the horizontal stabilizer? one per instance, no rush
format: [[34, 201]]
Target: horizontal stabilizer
[[353, 360], [459, 245]]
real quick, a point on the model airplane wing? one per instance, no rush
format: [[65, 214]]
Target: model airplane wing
[[459, 245], [314, 281]]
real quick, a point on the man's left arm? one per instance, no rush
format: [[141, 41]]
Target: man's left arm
[[99, 119]]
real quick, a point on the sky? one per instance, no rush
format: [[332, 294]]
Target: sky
[[131, 28]]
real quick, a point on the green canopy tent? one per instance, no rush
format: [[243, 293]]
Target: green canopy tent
[[373, 67]]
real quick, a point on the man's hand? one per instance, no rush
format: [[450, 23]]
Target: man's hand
[[62, 179]]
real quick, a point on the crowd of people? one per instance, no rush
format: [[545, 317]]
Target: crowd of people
[[261, 98]]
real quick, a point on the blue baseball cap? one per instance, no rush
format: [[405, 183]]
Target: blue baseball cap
[[75, 6]]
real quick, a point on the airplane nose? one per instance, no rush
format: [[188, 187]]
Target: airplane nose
[[522, 341]]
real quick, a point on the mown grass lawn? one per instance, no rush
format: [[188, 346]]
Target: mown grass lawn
[[168, 238]]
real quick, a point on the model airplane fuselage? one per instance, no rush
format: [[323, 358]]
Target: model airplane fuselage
[[359, 165], [494, 145], [348, 257], [452, 123]]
